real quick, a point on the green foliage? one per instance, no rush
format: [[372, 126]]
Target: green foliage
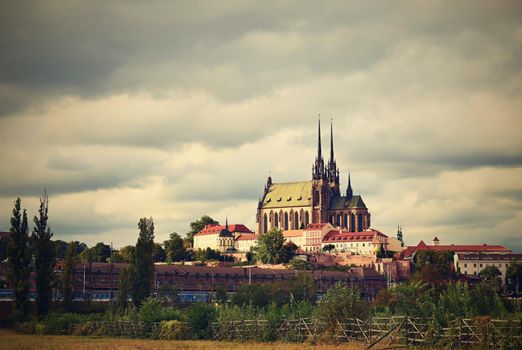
[[67, 275], [19, 257], [269, 248], [199, 225], [207, 254], [142, 267], [101, 252], [152, 310], [174, 330], [158, 253], [199, 317], [328, 248], [174, 248], [127, 253], [442, 261], [221, 294], [298, 264], [256, 295], [491, 275], [340, 304], [288, 252], [59, 323], [123, 289], [514, 277]]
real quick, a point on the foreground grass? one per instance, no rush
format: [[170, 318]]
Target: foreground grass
[[10, 340]]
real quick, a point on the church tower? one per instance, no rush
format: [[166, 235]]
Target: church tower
[[333, 171], [318, 171], [320, 187]]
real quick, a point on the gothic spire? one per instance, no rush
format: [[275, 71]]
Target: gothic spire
[[331, 142], [349, 192], [319, 153], [318, 172]]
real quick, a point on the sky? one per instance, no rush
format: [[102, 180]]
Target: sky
[[178, 109]]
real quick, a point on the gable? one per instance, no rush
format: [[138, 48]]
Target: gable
[[289, 194]]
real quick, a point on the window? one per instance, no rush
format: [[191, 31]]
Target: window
[[307, 219], [465, 265], [276, 220], [352, 223], [265, 223], [286, 221], [296, 221], [359, 223], [345, 221]]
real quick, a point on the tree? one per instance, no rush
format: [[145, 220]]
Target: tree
[[514, 276], [491, 275], [44, 255], [221, 294], [19, 257], [174, 248], [158, 253], [143, 266], [298, 264], [328, 248], [127, 253], [68, 275], [123, 289], [340, 304], [199, 225], [269, 248], [288, 252]]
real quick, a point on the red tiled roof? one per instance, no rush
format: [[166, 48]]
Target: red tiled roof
[[480, 256], [214, 229], [342, 235], [246, 237], [455, 248], [293, 233]]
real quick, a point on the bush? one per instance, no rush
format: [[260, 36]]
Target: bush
[[174, 330], [340, 304], [200, 316], [152, 311]]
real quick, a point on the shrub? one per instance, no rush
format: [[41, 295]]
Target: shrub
[[174, 330], [340, 304], [152, 311], [200, 316]]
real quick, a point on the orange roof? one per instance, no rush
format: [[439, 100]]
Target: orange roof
[[342, 235], [246, 237], [455, 248], [214, 229], [316, 226], [292, 233]]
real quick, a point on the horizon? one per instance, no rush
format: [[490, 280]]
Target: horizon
[[183, 110]]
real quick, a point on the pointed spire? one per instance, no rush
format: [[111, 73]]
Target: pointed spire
[[226, 223], [349, 192], [319, 153], [331, 142]]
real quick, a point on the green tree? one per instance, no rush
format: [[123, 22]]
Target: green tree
[[514, 276], [143, 265], [328, 248], [257, 295], [158, 253], [221, 294], [127, 253], [491, 275], [269, 248], [44, 256], [200, 316], [298, 264], [68, 275], [340, 304], [19, 257], [288, 252], [174, 248], [199, 225], [123, 290]]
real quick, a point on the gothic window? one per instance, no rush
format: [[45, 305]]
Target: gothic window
[[265, 223], [345, 222], [307, 219], [276, 220], [296, 222], [286, 221], [352, 223], [339, 220], [359, 223]]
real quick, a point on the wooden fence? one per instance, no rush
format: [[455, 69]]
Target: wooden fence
[[374, 332]]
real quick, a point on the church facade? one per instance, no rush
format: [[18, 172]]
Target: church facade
[[295, 205]]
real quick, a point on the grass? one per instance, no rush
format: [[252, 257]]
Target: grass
[[10, 340]]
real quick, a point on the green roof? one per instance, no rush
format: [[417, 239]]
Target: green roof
[[343, 202], [289, 194]]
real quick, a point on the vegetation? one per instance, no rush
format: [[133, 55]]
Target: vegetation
[[142, 267], [174, 248], [199, 225], [514, 277], [19, 257], [269, 248], [67, 276]]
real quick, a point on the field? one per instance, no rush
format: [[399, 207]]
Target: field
[[10, 341]]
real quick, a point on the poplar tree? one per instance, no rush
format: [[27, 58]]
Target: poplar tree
[[19, 257], [68, 275], [142, 267], [43, 256]]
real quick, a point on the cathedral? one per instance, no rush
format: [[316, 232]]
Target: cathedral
[[295, 205]]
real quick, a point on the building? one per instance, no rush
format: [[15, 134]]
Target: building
[[472, 264], [360, 243], [410, 251], [224, 238], [295, 205]]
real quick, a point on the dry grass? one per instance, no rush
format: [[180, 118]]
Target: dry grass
[[10, 340]]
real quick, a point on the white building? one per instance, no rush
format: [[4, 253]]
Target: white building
[[472, 264], [360, 243], [222, 238]]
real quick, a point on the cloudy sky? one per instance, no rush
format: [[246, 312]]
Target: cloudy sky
[[175, 110]]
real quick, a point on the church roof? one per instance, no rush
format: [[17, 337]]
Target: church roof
[[288, 194], [344, 202], [214, 229]]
